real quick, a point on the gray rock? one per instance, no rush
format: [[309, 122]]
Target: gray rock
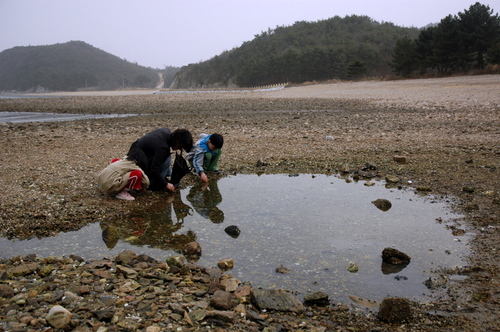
[[59, 317], [275, 299], [366, 174], [317, 298], [23, 269], [391, 179]]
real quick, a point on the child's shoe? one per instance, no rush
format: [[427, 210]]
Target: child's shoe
[[125, 195]]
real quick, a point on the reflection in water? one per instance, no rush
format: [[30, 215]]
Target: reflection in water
[[205, 198], [152, 226], [387, 268], [336, 222]]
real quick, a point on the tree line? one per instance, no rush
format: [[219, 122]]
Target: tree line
[[69, 66], [342, 48], [459, 43]]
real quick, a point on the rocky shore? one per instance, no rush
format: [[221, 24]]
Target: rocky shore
[[446, 131]]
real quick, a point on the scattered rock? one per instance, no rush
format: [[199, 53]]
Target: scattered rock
[[391, 179], [395, 257], [369, 167], [192, 249], [125, 257], [352, 267], [363, 302], [63, 204], [282, 269], [59, 317], [127, 272], [177, 261], [399, 159], [395, 310], [23, 269], [70, 297], [233, 231], [260, 163], [6, 291], [226, 264], [230, 284], [104, 315], [382, 204], [365, 174], [276, 299], [223, 300], [345, 169], [468, 189], [436, 282], [317, 298]]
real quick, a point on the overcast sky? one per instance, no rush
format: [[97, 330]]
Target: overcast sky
[[159, 33]]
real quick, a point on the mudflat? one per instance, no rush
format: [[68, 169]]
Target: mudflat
[[446, 129]]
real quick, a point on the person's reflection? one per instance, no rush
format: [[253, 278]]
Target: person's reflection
[[152, 226], [204, 198], [181, 209]]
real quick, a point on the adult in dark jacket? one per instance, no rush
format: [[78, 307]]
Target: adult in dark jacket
[[157, 158]]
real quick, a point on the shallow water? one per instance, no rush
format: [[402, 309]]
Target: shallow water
[[313, 225], [18, 117]]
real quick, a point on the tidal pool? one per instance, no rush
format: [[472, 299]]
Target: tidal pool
[[313, 225]]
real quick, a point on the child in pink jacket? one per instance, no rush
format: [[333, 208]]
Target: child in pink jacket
[[121, 176]]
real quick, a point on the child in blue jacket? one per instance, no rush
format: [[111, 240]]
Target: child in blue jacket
[[204, 156]]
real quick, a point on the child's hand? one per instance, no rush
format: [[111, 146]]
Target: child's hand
[[170, 187], [204, 177]]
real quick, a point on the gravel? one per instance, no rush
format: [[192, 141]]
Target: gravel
[[446, 128]]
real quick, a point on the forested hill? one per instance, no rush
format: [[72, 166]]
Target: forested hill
[[343, 48], [68, 67]]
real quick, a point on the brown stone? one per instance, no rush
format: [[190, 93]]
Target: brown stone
[[399, 159], [223, 300], [395, 257], [395, 310]]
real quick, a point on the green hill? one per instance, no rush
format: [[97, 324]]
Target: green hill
[[69, 66], [342, 48]]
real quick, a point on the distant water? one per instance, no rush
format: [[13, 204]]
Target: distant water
[[18, 117], [15, 96]]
